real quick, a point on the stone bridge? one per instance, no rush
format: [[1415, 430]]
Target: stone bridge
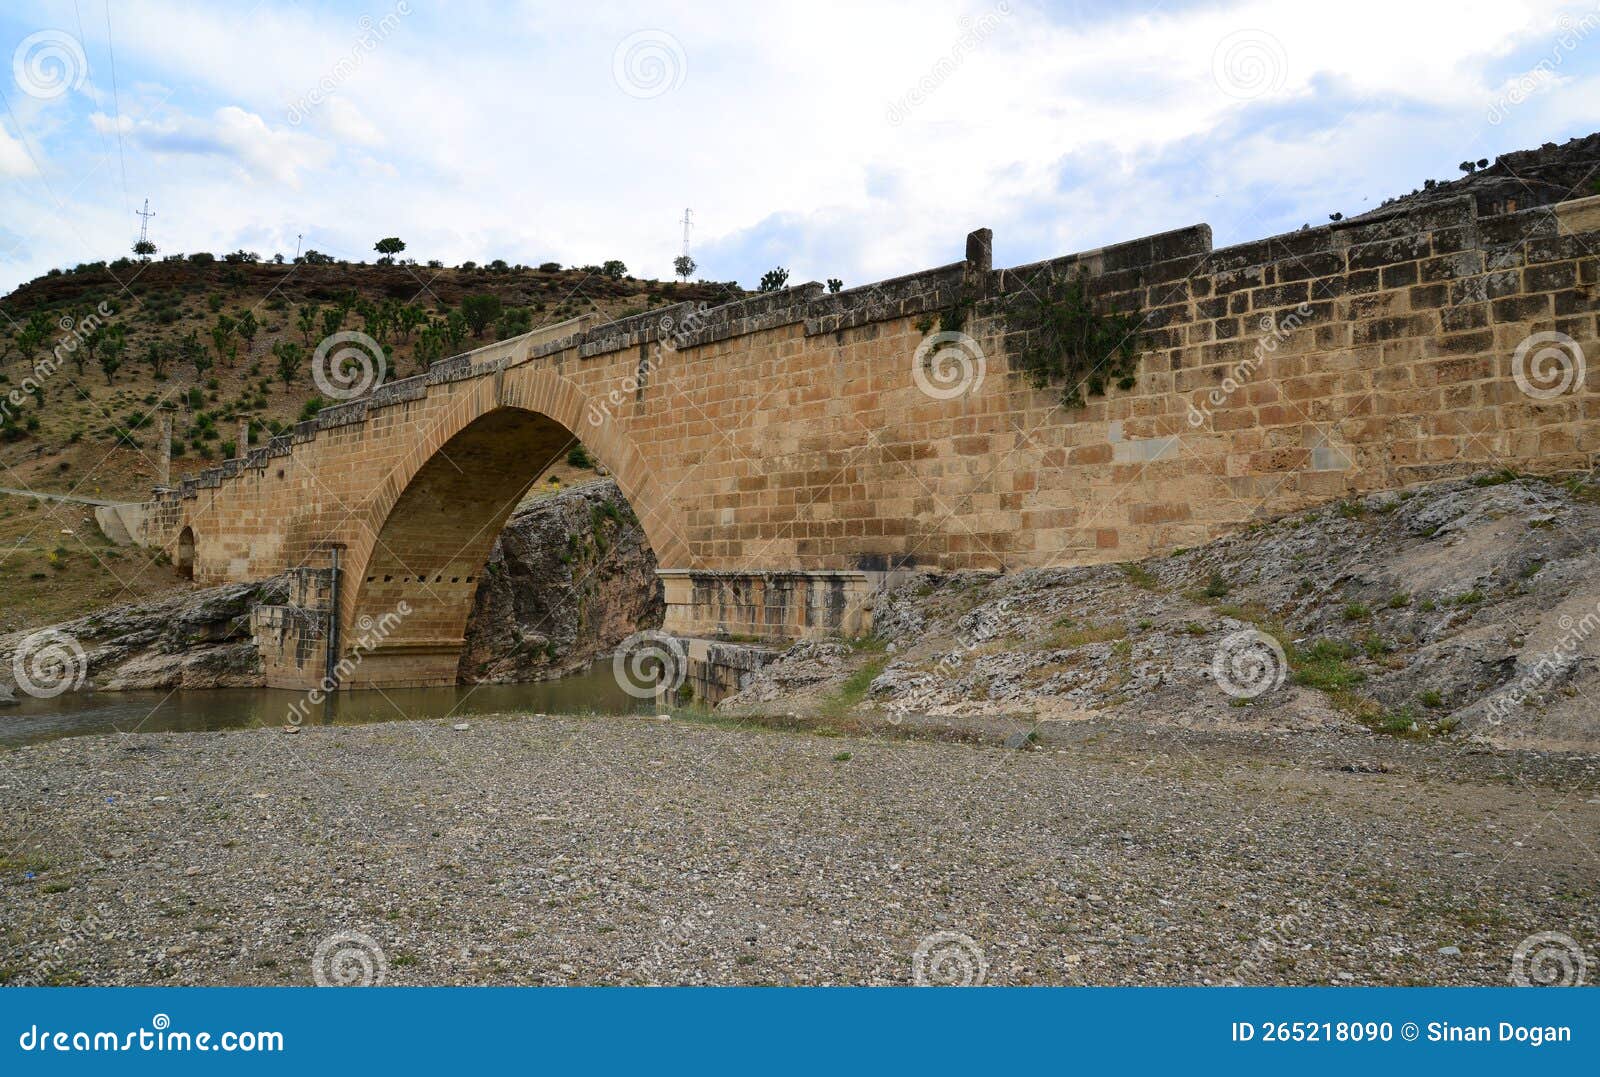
[[788, 452]]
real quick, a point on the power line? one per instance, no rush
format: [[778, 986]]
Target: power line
[[83, 38], [116, 106]]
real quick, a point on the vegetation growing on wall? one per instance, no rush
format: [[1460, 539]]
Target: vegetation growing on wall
[[1066, 342]]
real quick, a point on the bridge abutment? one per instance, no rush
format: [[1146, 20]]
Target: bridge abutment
[[775, 605]]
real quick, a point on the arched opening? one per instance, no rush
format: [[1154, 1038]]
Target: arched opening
[[407, 603], [185, 561]]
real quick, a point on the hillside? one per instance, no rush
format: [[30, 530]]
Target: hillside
[[85, 430], [1467, 608], [1521, 179]]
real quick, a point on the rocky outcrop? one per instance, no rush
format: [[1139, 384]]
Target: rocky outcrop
[[1469, 608], [194, 639], [569, 578]]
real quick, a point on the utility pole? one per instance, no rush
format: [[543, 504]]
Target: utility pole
[[144, 222], [299, 236], [686, 225]]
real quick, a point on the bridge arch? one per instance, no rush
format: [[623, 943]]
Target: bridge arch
[[412, 565]]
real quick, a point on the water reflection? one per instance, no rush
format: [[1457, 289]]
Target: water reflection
[[592, 691]]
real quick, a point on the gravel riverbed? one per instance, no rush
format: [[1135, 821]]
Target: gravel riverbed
[[562, 850]]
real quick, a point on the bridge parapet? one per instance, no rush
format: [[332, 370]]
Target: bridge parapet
[[782, 449]]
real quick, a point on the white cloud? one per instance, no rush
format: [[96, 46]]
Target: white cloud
[[274, 154], [348, 123], [477, 135], [14, 159]]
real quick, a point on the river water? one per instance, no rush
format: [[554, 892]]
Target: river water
[[591, 691]]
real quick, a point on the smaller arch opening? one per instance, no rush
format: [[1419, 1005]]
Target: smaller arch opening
[[186, 553]]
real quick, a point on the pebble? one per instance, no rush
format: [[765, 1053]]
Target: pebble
[[692, 853]]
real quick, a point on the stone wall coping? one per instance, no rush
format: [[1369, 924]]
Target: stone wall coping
[[1169, 255]]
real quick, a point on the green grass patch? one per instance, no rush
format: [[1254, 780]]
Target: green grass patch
[[1326, 665], [854, 689], [1140, 576], [1495, 478], [1068, 636]]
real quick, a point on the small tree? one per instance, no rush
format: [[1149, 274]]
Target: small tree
[[289, 356], [190, 350], [155, 353], [774, 280], [430, 345], [116, 343], [835, 284], [480, 311], [684, 266], [222, 338], [388, 247], [33, 336], [306, 321], [513, 323], [455, 328], [246, 328], [614, 269], [144, 249], [407, 319]]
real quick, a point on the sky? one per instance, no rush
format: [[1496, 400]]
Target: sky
[[856, 140]]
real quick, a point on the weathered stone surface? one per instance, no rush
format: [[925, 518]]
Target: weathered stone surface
[[569, 578], [802, 432], [1468, 608], [194, 639]]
